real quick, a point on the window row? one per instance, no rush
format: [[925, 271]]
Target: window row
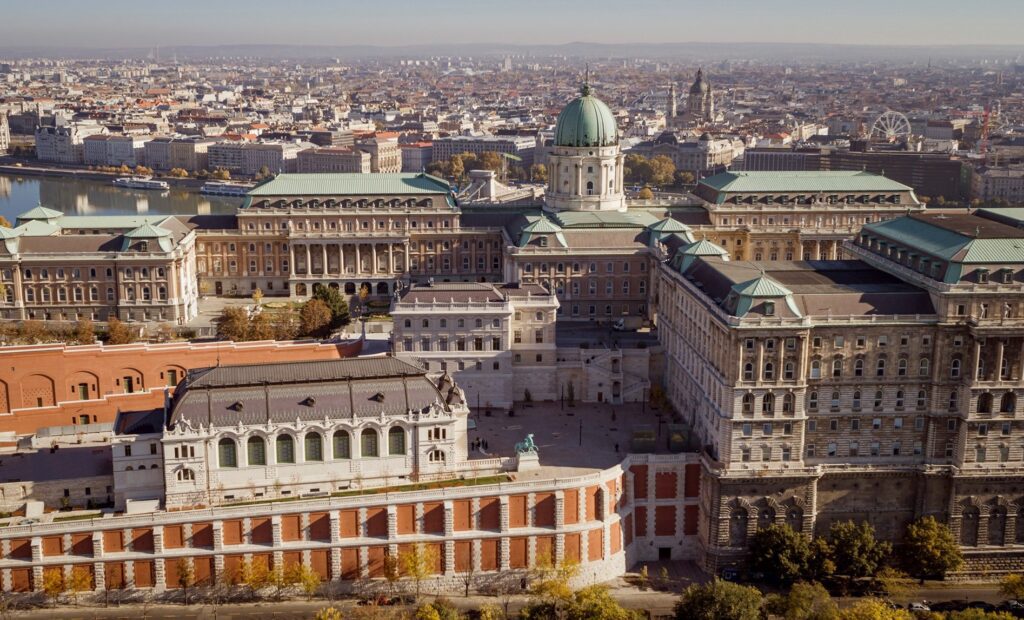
[[313, 447]]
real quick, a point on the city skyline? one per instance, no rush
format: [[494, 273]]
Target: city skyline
[[457, 22]]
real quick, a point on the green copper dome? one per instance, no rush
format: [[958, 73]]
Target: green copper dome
[[586, 121]]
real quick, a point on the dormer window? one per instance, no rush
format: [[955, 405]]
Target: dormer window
[[543, 242], [769, 308], [1007, 276], [982, 276]]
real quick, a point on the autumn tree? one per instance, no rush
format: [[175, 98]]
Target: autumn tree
[[489, 160], [550, 588], [186, 576], [596, 603], [33, 332], [286, 326], [419, 562], [261, 327], [645, 194], [1012, 586], [233, 323], [53, 584], [804, 601], [873, 609], [539, 173], [118, 332], [329, 613], [81, 581], [85, 332], [930, 549], [315, 319], [719, 600], [335, 303]]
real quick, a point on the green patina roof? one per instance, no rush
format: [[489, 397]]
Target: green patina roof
[[704, 248], [342, 184], [604, 219], [762, 286], [805, 182], [920, 234], [8, 233], [586, 121], [40, 213], [540, 225], [669, 225], [148, 231]]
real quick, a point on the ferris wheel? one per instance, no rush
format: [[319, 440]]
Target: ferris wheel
[[890, 126]]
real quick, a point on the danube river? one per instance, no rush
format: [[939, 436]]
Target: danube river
[[85, 197]]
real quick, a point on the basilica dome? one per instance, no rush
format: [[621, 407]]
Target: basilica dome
[[586, 121]]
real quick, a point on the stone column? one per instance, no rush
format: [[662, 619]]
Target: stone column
[[159, 575], [373, 257], [335, 518], [359, 266], [449, 532], [391, 259], [276, 538], [975, 360], [291, 257], [309, 260], [1000, 347], [759, 369]]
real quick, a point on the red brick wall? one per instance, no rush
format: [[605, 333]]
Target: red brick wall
[[544, 510], [406, 514], [433, 518], [639, 481]]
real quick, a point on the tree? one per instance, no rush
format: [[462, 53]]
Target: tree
[[186, 576], [286, 326], [1012, 586], [930, 550], [645, 194], [261, 328], [719, 600], [306, 578], [33, 332], [314, 318], [118, 332], [263, 173], [336, 304], [255, 576], [855, 551], [781, 553], [418, 563], [53, 583], [457, 166], [4, 222], [165, 332], [328, 613], [684, 177], [392, 571], [257, 296], [595, 603], [489, 160], [178, 173], [539, 173], [873, 609], [81, 581], [805, 601], [551, 588], [892, 582], [979, 614], [221, 174], [85, 333], [662, 170], [233, 324]]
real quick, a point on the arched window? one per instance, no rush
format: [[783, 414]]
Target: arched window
[[858, 368], [590, 187], [342, 445], [314, 447], [815, 369], [922, 399], [923, 367], [1008, 403], [834, 404], [954, 368], [954, 400], [787, 403], [748, 403], [257, 451], [856, 400], [812, 400], [880, 368], [878, 399], [768, 404], [899, 399], [227, 455], [985, 403], [185, 474], [788, 370], [285, 449], [368, 443], [769, 371], [837, 367], [901, 368], [738, 527], [435, 456], [396, 441], [748, 372]]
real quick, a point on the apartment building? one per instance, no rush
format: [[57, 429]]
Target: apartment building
[[333, 160]]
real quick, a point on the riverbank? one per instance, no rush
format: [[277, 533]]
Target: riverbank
[[23, 167]]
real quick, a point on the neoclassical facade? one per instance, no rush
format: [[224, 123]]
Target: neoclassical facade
[[879, 389]]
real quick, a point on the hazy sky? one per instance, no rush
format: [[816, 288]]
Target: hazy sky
[[130, 23]]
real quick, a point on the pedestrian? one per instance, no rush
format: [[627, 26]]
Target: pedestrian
[[485, 444]]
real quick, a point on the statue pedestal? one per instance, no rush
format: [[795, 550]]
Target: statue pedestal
[[527, 461]]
